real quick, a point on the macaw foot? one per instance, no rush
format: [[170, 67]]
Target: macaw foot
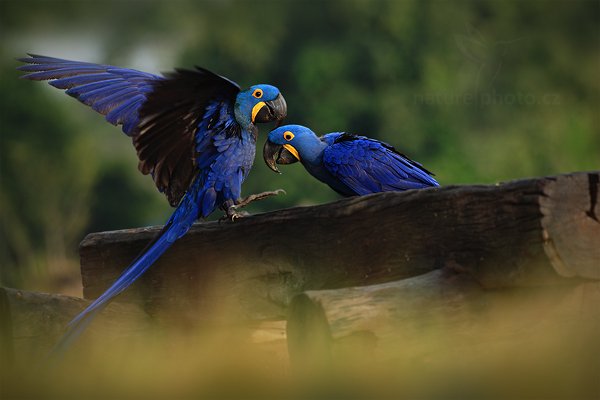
[[255, 197], [231, 213], [232, 210]]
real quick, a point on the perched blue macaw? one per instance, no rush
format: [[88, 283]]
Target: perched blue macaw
[[194, 133], [351, 165]]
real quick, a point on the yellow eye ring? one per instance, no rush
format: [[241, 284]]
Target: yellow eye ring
[[287, 135], [258, 93]]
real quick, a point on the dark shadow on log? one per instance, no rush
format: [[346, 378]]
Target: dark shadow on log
[[7, 350], [309, 331]]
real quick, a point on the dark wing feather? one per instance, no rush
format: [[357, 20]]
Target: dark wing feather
[[169, 120], [369, 166]]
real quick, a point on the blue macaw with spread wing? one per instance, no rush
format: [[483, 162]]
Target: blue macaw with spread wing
[[351, 165], [194, 133]]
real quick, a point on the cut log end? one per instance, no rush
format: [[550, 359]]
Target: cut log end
[[571, 225]]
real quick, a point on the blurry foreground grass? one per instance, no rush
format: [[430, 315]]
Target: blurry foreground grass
[[156, 365], [160, 362]]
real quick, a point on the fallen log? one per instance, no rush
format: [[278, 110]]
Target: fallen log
[[446, 321], [524, 233]]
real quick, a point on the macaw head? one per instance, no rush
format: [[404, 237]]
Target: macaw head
[[290, 143], [260, 103]]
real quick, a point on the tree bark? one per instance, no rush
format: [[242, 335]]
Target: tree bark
[[524, 233]]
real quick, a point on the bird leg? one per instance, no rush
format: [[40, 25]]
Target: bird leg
[[231, 209], [255, 197]]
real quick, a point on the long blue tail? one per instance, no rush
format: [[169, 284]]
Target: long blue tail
[[178, 224]]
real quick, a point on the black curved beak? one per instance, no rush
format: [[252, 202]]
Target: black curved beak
[[275, 154], [274, 110]]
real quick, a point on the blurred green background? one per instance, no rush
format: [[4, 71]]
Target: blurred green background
[[478, 91]]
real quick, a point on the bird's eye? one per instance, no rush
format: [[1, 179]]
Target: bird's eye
[[257, 93], [288, 135]]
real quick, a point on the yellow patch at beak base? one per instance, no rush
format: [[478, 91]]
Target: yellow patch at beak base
[[257, 108], [292, 150]]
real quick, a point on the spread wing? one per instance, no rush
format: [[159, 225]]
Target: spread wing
[[369, 166], [161, 114], [117, 93], [169, 120]]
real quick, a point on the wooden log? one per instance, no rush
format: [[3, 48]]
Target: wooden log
[[521, 233], [31, 323], [446, 321]]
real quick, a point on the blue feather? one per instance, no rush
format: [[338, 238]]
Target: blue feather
[[63, 72], [125, 110], [94, 91], [103, 87], [73, 81]]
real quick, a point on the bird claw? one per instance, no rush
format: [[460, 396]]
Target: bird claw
[[231, 214]]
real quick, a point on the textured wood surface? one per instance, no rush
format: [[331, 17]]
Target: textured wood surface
[[571, 225], [505, 235]]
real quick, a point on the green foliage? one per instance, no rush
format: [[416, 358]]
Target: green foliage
[[119, 200], [478, 91], [45, 176]]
